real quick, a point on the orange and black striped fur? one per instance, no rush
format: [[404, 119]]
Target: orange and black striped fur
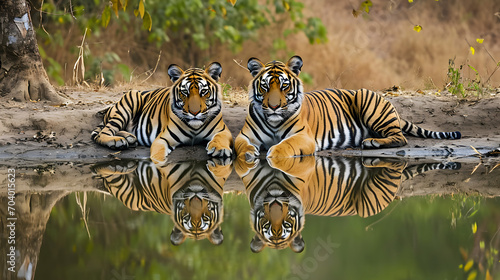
[[288, 122], [282, 190], [190, 192], [187, 113]]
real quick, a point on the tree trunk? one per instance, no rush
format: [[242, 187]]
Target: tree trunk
[[31, 212], [22, 76]]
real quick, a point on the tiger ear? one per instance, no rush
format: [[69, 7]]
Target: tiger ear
[[297, 245], [254, 66], [175, 72], [216, 237], [256, 245], [295, 64], [177, 237], [214, 70]]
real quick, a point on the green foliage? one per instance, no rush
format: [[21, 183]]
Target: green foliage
[[456, 81], [225, 89], [193, 29], [53, 68], [208, 24], [455, 85]]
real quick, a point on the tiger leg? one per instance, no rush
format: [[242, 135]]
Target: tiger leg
[[117, 140], [221, 143], [299, 144], [112, 132], [245, 148], [381, 119], [162, 146]]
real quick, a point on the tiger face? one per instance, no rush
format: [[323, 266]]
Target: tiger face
[[196, 96], [197, 213], [278, 219], [276, 92]]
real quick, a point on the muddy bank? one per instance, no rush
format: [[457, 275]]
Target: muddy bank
[[38, 131]]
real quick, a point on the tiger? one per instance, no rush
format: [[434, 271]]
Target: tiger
[[187, 113], [281, 191], [190, 192], [285, 121]]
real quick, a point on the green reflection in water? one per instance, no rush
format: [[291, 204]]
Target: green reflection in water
[[426, 237], [412, 239]]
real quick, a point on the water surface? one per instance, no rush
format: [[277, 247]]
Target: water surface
[[301, 218]]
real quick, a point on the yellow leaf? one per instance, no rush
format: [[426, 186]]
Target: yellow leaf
[[233, 2], [480, 41], [472, 275], [472, 51], [474, 228], [417, 28], [410, 1], [124, 4], [468, 265], [286, 5], [141, 8], [224, 11]]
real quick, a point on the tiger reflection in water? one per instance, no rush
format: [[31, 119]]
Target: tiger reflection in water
[[282, 190], [191, 192]]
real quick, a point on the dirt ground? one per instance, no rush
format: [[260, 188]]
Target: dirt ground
[[39, 131]]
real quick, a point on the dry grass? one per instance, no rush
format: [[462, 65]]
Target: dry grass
[[375, 51]]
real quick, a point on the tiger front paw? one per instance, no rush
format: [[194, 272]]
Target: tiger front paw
[[243, 166], [220, 167], [159, 152], [282, 149], [121, 141], [216, 149], [249, 153]]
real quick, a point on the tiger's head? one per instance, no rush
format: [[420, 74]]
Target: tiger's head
[[196, 96], [278, 219], [197, 208], [276, 92], [197, 214]]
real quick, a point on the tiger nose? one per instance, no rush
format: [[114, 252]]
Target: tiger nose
[[194, 106], [274, 101]]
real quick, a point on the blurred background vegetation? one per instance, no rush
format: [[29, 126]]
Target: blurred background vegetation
[[419, 44]]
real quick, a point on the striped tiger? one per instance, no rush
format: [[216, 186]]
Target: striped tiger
[[288, 122], [283, 190], [187, 113], [190, 192]]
